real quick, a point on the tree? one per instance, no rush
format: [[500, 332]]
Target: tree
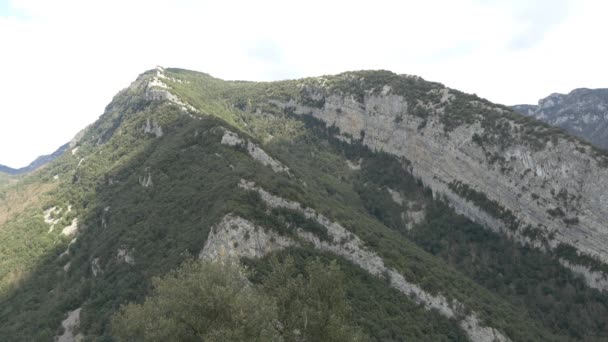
[[200, 302], [216, 302], [312, 305]]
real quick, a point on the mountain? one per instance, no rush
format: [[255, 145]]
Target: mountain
[[451, 218], [583, 113], [37, 163]]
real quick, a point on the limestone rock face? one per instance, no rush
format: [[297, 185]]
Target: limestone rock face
[[595, 279], [70, 328], [146, 180], [415, 214], [153, 128], [256, 152], [235, 237], [157, 90], [124, 255], [95, 267], [396, 196], [559, 189], [49, 215], [71, 229]]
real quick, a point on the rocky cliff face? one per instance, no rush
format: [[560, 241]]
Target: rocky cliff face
[[583, 112], [536, 186]]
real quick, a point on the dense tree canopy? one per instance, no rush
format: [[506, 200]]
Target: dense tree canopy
[[200, 302], [204, 301]]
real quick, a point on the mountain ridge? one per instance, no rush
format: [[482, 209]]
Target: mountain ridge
[[583, 112], [357, 167], [541, 135], [36, 163]]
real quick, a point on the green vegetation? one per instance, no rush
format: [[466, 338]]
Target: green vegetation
[[570, 254], [367, 82], [311, 301], [489, 206], [195, 184], [316, 152], [216, 302], [383, 314], [200, 302], [526, 277]]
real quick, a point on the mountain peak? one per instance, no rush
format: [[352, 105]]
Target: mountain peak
[[583, 112], [451, 217], [37, 163]]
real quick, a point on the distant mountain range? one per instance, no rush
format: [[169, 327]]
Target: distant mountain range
[[583, 112], [37, 163]]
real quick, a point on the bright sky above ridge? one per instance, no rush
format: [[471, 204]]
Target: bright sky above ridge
[[61, 61]]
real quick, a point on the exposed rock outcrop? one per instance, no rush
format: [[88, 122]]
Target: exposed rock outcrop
[[396, 196], [67, 250], [152, 127], [70, 328], [355, 166], [351, 247], [71, 229], [559, 189], [51, 217], [257, 153], [124, 255], [235, 237], [415, 214], [146, 180], [95, 267], [596, 280], [157, 90]]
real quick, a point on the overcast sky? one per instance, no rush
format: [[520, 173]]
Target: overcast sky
[[61, 61]]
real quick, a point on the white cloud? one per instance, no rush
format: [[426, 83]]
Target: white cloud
[[63, 60]]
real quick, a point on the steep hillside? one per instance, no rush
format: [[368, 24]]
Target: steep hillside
[[371, 169], [582, 112]]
